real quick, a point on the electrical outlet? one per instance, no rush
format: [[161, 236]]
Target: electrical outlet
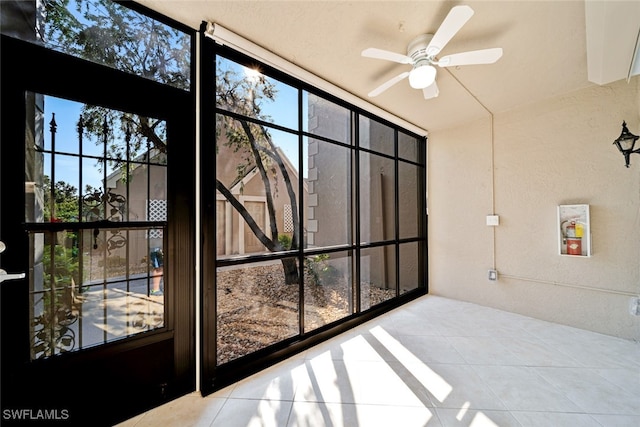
[[634, 306], [493, 275]]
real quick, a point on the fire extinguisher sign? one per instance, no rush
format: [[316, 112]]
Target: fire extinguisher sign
[[574, 231]]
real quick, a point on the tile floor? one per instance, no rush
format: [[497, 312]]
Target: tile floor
[[433, 362]]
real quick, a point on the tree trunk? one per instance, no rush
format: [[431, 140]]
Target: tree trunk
[[290, 267]]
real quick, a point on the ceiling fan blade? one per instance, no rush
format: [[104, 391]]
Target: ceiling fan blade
[[484, 56], [457, 17], [373, 52], [431, 91], [386, 85]]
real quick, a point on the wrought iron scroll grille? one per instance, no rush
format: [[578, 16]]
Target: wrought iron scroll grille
[[92, 274]]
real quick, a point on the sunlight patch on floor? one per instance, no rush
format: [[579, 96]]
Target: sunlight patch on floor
[[433, 382]]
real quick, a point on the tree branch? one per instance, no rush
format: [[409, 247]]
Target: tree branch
[[292, 195], [265, 179], [268, 243]]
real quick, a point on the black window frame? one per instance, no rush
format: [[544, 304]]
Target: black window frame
[[216, 376]]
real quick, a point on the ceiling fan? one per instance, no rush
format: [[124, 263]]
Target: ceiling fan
[[422, 51]]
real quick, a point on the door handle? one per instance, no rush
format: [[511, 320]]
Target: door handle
[[7, 276], [3, 274]]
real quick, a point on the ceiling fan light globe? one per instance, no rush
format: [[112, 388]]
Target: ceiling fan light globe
[[422, 76]]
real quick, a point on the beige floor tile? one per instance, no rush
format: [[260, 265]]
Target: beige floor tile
[[591, 392], [522, 389], [617, 420], [476, 417], [537, 419], [434, 362], [190, 410], [252, 413], [468, 390], [320, 414]]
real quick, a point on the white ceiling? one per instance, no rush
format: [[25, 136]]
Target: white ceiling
[[544, 43]]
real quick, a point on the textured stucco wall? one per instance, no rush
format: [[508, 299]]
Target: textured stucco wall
[[522, 167]]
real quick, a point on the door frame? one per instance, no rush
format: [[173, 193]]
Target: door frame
[[243, 226], [145, 370]]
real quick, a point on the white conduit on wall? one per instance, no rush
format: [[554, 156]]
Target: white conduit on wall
[[493, 205], [569, 285], [227, 38], [493, 174]]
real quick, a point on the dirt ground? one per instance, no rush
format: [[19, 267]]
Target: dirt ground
[[256, 308]]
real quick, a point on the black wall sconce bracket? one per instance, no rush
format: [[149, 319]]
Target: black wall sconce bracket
[[626, 143]]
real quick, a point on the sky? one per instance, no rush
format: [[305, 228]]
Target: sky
[[283, 111], [67, 169]]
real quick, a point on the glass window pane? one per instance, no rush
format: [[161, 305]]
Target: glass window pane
[[376, 137], [107, 33], [328, 180], [258, 175], [86, 185], [92, 287], [60, 125], [325, 118], [257, 209], [38, 200], [408, 200], [409, 267], [136, 193], [64, 194], [92, 191], [407, 147], [377, 276], [256, 307], [67, 168], [377, 198], [327, 289], [246, 91], [92, 145]]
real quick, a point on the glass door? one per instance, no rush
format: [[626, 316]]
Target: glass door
[[96, 323], [96, 218]]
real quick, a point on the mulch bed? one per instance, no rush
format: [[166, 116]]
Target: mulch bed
[[256, 308]]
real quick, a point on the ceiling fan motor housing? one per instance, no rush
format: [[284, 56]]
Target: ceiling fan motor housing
[[417, 49], [423, 73]]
